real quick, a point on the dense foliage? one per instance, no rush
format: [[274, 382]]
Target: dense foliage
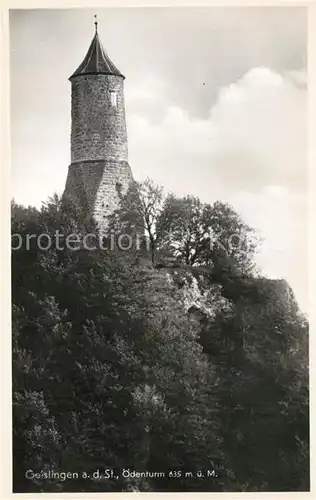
[[122, 360]]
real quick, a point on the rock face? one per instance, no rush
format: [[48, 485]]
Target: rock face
[[99, 174], [197, 293]]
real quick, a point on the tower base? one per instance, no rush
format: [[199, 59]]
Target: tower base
[[98, 186]]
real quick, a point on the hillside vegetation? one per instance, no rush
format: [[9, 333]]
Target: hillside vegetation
[[173, 356]]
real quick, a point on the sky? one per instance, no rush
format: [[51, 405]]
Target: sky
[[215, 105]]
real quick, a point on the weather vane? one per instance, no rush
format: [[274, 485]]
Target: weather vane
[[96, 22]]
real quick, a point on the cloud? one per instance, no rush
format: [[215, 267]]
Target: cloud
[[183, 50], [250, 151], [255, 135], [299, 78], [262, 118]]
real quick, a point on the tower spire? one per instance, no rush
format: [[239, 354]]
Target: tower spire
[[96, 60]]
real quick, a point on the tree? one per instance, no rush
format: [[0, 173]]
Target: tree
[[37, 442], [183, 227], [114, 370], [260, 348], [139, 212], [206, 235]]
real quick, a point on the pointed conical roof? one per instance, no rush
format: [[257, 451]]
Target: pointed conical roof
[[96, 61]]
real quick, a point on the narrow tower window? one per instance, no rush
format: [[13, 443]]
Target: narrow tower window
[[113, 96]]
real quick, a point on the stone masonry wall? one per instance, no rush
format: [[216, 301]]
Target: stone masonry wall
[[99, 174], [98, 130], [98, 186]]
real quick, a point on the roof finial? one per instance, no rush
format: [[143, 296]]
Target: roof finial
[[96, 23]]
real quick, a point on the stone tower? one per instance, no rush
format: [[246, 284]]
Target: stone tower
[[99, 173]]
